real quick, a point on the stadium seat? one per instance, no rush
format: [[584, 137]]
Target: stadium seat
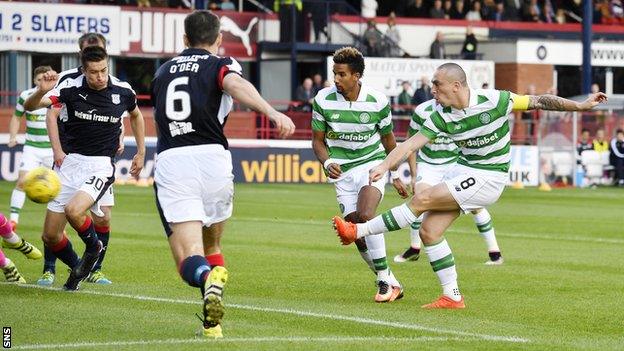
[[563, 163], [593, 163]]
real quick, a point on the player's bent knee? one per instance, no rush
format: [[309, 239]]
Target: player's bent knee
[[421, 201]]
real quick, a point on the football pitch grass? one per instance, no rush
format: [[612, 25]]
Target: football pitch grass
[[293, 286]]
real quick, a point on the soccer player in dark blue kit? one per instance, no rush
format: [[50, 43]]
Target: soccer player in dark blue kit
[[101, 221], [83, 154], [192, 96]]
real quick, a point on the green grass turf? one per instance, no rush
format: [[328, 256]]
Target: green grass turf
[[292, 286]]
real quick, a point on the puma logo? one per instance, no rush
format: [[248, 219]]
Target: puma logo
[[228, 25]]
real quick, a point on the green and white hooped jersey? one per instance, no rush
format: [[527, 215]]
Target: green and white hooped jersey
[[36, 131], [481, 131], [352, 128], [439, 151]]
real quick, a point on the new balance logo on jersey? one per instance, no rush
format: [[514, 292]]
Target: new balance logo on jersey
[[335, 116], [180, 128]]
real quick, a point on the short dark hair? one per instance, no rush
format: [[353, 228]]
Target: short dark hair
[[455, 72], [202, 27], [91, 39], [352, 57], [584, 130], [41, 69], [92, 54], [619, 131]]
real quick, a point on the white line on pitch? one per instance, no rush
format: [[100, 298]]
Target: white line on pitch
[[299, 313], [303, 339]]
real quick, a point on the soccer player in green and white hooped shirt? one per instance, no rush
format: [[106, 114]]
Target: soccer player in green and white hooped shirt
[[435, 161], [352, 132], [476, 121], [37, 150]]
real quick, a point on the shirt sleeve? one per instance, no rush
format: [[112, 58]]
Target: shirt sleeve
[[228, 65], [19, 107], [385, 123], [131, 101], [432, 126], [318, 121], [415, 124]]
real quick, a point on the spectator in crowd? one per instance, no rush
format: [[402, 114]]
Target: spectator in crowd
[[600, 143], [499, 15], [561, 16], [417, 8], [423, 93], [317, 81], [583, 144], [459, 11], [319, 13], [287, 9], [305, 95], [437, 51], [405, 98], [144, 3], [531, 11], [469, 49], [548, 15], [227, 5], [617, 157], [369, 8], [179, 4], [436, 11], [392, 33], [372, 39], [475, 11], [448, 8], [512, 9], [595, 88]]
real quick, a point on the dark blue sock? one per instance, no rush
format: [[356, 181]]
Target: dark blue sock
[[64, 251], [49, 260], [194, 270], [88, 235], [103, 233]]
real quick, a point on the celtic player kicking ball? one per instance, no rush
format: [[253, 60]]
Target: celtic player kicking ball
[[476, 121]]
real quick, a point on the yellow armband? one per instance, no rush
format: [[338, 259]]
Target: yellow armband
[[520, 102]]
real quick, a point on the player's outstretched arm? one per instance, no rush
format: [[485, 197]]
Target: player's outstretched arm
[[138, 130], [556, 103], [14, 125], [53, 134], [243, 91], [398, 155], [37, 100]]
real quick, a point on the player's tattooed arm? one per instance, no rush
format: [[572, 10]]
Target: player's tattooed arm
[[550, 102]]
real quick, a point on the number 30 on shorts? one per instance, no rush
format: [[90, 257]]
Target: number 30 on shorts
[[97, 183], [467, 183]]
